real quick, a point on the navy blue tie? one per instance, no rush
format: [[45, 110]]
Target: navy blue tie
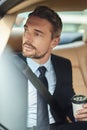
[[42, 110]]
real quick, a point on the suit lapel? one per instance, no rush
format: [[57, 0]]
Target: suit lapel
[[57, 69]]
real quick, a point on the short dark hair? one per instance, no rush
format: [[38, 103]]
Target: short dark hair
[[47, 13]]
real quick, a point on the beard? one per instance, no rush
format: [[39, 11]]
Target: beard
[[35, 55], [39, 56]]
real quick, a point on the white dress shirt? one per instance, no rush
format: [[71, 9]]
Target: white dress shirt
[[32, 91]]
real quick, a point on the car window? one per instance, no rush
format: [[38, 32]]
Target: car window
[[73, 25]]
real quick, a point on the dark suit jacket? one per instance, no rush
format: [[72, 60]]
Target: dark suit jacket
[[64, 90]]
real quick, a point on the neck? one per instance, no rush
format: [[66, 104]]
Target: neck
[[42, 60]]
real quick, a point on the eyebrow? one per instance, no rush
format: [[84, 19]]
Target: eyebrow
[[39, 31], [25, 26]]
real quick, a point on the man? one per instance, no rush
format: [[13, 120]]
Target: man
[[42, 32]]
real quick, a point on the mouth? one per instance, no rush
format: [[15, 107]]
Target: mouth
[[27, 47]]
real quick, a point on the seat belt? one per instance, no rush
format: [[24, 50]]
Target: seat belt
[[22, 66], [41, 88]]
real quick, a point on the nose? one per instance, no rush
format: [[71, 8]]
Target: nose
[[28, 37]]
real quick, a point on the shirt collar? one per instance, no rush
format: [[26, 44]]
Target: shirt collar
[[34, 65]]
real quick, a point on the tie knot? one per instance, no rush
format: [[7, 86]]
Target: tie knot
[[42, 70]]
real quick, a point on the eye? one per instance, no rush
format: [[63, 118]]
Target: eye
[[38, 34]]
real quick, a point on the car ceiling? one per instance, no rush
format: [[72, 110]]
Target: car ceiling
[[59, 5]]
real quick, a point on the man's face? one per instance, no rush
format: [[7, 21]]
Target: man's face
[[37, 38]]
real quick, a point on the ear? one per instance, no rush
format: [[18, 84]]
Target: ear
[[55, 42]]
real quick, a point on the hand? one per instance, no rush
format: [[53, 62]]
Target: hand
[[82, 114]]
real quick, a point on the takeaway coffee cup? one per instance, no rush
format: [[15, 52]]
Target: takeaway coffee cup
[[77, 102]]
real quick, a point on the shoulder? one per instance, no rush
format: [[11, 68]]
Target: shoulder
[[60, 59], [61, 64], [62, 67]]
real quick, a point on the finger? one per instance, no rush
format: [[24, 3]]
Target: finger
[[85, 105], [81, 119], [82, 111], [81, 115]]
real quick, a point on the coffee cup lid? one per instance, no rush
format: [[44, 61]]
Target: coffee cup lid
[[78, 99]]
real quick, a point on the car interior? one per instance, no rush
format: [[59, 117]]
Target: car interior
[[9, 35], [77, 55]]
